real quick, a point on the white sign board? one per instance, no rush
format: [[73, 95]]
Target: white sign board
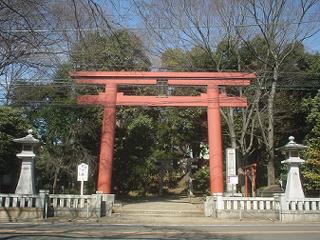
[[83, 171], [234, 180], [231, 161]]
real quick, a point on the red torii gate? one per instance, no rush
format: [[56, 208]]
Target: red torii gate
[[213, 100]]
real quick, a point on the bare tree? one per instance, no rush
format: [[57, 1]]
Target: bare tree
[[25, 42], [204, 24], [181, 24], [229, 16], [36, 37], [63, 157], [281, 24]]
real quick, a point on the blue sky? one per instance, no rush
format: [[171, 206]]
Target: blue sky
[[124, 15], [313, 44]]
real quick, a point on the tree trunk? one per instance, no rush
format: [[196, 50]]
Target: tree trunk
[[55, 180], [232, 131], [271, 168]]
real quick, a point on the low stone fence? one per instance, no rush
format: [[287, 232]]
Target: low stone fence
[[95, 205], [14, 207], [272, 208], [240, 207], [307, 209]]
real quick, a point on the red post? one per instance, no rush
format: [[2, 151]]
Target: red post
[[107, 139], [254, 189], [246, 185], [215, 142]]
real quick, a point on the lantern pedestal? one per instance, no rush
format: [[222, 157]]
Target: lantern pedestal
[[293, 187], [26, 180]]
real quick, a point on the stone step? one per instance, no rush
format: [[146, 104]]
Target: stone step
[[172, 209], [156, 212], [158, 220]]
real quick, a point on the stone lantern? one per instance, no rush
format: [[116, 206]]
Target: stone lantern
[[26, 180], [293, 187]]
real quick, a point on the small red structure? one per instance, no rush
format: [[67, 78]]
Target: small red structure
[[213, 100], [250, 175]]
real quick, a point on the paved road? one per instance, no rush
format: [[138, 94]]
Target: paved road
[[239, 231]]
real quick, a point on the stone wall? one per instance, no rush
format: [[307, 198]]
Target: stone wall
[[14, 207], [274, 208]]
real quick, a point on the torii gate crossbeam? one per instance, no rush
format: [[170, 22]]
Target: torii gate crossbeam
[[213, 100]]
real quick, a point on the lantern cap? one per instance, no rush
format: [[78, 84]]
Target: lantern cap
[[292, 145], [29, 139]]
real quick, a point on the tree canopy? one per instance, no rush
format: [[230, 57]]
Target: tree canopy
[[13, 124]]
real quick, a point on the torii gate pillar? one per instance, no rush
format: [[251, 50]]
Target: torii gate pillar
[[214, 138], [107, 139]]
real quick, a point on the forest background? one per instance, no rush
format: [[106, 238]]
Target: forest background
[[41, 41]]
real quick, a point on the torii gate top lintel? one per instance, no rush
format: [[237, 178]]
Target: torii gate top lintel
[[209, 79], [173, 78]]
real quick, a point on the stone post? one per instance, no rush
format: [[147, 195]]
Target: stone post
[[44, 202], [95, 206], [230, 170], [209, 207], [107, 202], [280, 199]]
